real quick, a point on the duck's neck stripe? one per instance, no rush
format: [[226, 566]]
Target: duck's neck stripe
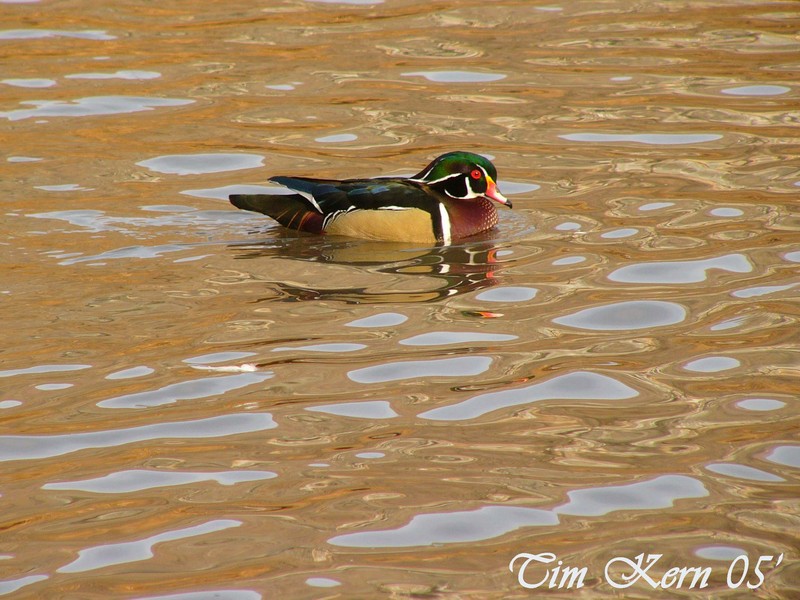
[[470, 194], [445, 221]]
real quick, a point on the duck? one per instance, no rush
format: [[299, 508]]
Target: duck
[[452, 198]]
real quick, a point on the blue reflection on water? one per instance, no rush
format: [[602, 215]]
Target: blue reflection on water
[[442, 338], [712, 364], [32, 34], [456, 76], [788, 456], [134, 480], [132, 74], [658, 139], [620, 316], [106, 555], [90, 106], [493, 521], [387, 319], [337, 138], [43, 369], [446, 367], [198, 164], [757, 90], [580, 385], [368, 409], [680, 271], [30, 83], [186, 390], [743, 472], [28, 447]]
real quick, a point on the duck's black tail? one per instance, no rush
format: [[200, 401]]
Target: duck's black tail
[[290, 210]]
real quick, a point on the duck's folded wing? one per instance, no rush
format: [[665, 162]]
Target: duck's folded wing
[[388, 209], [364, 194]]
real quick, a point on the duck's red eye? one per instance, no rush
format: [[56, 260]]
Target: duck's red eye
[[476, 174]]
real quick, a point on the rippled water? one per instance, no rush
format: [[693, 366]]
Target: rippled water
[[198, 404]]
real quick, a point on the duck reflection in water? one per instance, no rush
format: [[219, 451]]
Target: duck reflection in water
[[427, 274]]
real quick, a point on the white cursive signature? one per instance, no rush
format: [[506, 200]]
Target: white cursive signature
[[545, 570]]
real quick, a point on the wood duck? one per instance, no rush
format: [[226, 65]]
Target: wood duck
[[448, 200]]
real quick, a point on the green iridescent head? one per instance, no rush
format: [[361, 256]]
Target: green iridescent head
[[463, 175]]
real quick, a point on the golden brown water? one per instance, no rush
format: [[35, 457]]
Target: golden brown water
[[194, 402]]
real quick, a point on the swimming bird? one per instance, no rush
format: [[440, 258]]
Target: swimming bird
[[448, 200]]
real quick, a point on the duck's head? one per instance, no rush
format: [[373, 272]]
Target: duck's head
[[463, 175]]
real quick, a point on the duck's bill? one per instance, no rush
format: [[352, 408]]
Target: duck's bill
[[494, 194]]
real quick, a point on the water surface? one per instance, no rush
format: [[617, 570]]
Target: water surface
[[196, 404]]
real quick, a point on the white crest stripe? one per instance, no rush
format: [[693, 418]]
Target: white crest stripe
[[445, 178]]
